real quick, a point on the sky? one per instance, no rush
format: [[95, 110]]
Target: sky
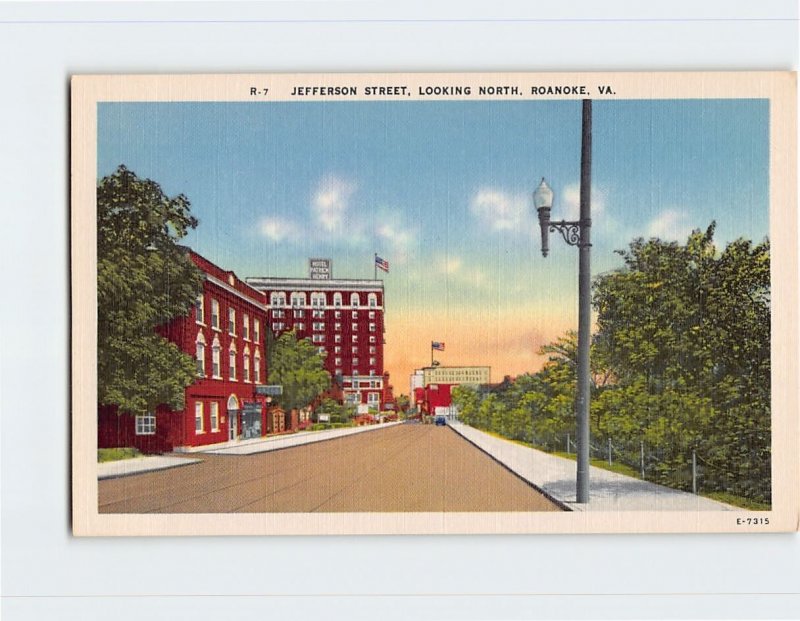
[[443, 191]]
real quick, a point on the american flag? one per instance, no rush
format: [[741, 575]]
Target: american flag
[[382, 263], [437, 346]]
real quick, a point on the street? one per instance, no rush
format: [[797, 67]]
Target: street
[[420, 468]]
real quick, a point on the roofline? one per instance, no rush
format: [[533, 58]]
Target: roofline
[[276, 282]]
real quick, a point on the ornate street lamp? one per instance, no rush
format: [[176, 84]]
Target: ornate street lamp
[[577, 233]]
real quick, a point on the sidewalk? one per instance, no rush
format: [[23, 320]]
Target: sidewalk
[[608, 491], [262, 445], [137, 465]]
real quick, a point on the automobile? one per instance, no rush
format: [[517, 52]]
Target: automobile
[[440, 421]]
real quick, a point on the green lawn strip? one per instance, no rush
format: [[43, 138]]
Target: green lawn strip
[[724, 497], [617, 467], [737, 501], [116, 454]]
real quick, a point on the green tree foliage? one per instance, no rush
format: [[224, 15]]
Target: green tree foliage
[[403, 402], [338, 412], [686, 330], [144, 279], [296, 365], [680, 363]]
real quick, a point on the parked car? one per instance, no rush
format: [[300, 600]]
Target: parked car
[[440, 421]]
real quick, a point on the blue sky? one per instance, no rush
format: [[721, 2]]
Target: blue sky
[[442, 190]]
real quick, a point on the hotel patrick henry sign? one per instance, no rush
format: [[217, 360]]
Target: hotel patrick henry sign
[[319, 269], [524, 216]]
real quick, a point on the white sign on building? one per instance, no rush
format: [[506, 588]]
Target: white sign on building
[[320, 269]]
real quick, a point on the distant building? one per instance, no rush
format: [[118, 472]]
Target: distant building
[[225, 334], [344, 319], [415, 382], [431, 387], [456, 375]]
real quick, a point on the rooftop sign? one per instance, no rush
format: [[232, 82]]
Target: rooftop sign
[[320, 269]]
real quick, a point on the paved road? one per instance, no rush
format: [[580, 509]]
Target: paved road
[[405, 468]]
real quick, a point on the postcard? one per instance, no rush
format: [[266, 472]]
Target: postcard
[[434, 303]]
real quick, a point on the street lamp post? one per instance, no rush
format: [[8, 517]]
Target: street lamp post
[[577, 233]]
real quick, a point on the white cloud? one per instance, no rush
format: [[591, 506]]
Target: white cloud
[[393, 236], [450, 265], [671, 224], [570, 205], [331, 203], [499, 210], [278, 229]]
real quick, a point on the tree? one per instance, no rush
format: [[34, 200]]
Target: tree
[[338, 412], [686, 330], [144, 279], [296, 365], [403, 402]]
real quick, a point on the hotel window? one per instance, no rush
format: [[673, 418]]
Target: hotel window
[[318, 314], [373, 300], [321, 351], [337, 350], [337, 326], [355, 361], [354, 299], [215, 314], [200, 309], [338, 362], [300, 326], [372, 327], [278, 299], [232, 322], [277, 327], [355, 373], [200, 354], [372, 397], [317, 299], [246, 365], [337, 372], [318, 338], [257, 369], [372, 314], [256, 330], [355, 326], [355, 314], [215, 370], [145, 424], [354, 338], [372, 349], [337, 314], [232, 363], [337, 338], [214, 416], [198, 417], [279, 314], [372, 361], [246, 327], [337, 299], [298, 299], [299, 314], [372, 339], [354, 350], [319, 326]]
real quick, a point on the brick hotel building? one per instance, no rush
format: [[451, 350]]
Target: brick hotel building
[[344, 319], [224, 333]]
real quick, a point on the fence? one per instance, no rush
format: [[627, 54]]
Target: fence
[[645, 461]]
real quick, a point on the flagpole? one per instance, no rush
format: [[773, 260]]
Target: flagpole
[[431, 354], [375, 267]]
